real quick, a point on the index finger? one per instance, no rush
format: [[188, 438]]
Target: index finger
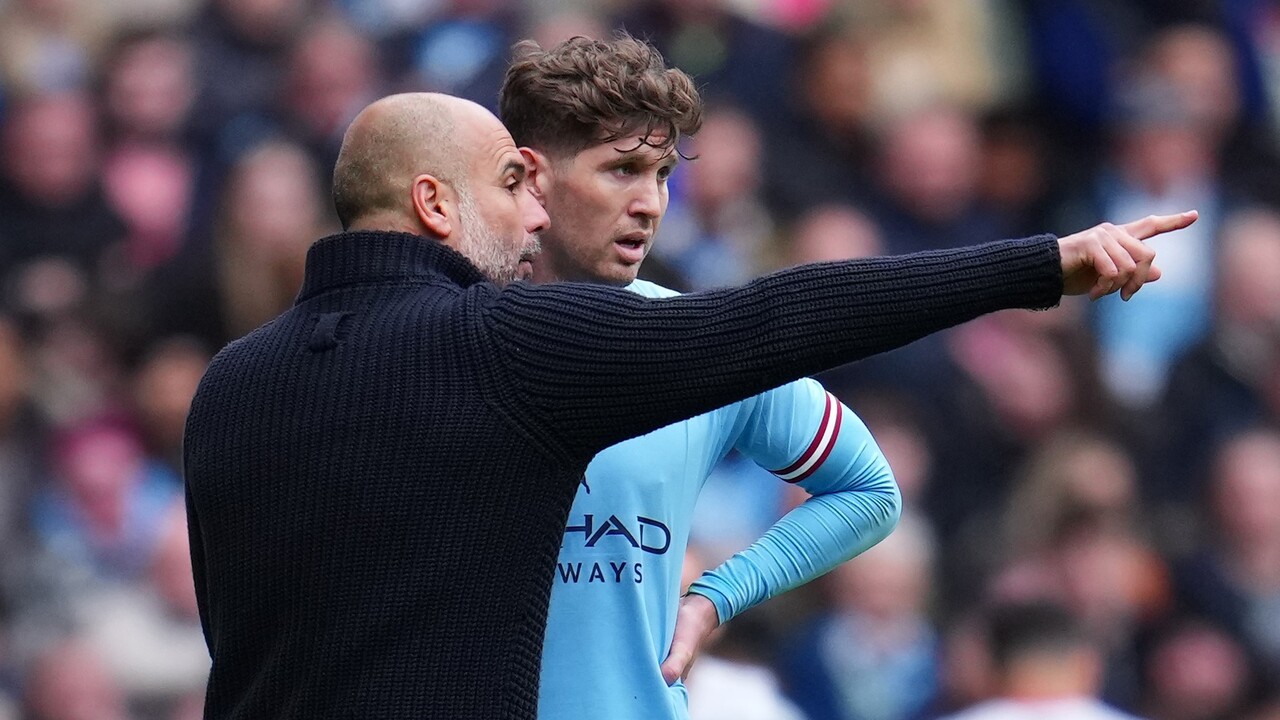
[[1153, 225]]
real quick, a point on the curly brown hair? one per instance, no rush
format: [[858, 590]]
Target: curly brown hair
[[583, 92]]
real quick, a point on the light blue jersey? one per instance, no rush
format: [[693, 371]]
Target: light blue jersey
[[617, 585]]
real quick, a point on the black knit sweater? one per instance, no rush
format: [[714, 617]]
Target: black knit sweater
[[378, 480]]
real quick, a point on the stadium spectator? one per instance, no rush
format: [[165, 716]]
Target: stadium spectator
[[333, 72], [69, 681], [150, 173], [1048, 667], [927, 52], [49, 46], [1018, 179], [460, 50], [103, 514], [241, 50], [1163, 158], [1210, 72], [162, 388], [20, 438], [820, 152], [832, 232], [55, 216], [1072, 474], [928, 166], [1195, 671], [1220, 387], [148, 633], [1235, 578], [271, 208], [717, 230], [737, 60], [874, 656], [1014, 381], [1113, 580]]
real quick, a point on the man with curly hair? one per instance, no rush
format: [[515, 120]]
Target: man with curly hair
[[599, 122]]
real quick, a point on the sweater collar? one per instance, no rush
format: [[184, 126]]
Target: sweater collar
[[368, 256]]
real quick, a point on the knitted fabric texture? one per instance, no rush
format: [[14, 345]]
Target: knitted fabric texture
[[378, 480]]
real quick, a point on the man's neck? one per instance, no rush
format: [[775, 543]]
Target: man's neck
[[1048, 680], [546, 272], [384, 222], [543, 272]]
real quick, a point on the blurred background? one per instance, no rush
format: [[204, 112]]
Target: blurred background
[[164, 167]]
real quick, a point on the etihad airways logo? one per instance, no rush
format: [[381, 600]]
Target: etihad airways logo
[[642, 533]]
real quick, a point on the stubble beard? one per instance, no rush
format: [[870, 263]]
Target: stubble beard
[[485, 248]]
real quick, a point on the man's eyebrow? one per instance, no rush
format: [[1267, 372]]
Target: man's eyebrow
[[515, 167], [637, 154]]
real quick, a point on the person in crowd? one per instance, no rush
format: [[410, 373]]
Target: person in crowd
[[1234, 579], [150, 173], [1220, 387], [57, 222], [1195, 670], [875, 654], [70, 681], [1048, 668], [162, 388], [717, 231]]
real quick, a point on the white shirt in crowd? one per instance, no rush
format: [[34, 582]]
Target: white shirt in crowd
[[1082, 708]]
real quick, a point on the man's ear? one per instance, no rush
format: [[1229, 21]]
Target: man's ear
[[433, 204], [538, 173]]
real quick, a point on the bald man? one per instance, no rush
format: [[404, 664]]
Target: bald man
[[378, 480], [384, 154]]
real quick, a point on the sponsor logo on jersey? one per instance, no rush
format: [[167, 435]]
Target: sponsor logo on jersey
[[642, 533], [576, 573]]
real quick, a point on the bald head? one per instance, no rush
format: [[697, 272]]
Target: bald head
[[441, 167], [391, 142]]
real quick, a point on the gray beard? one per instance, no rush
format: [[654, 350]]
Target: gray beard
[[483, 247]]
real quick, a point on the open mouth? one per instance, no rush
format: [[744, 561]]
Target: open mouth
[[631, 249]]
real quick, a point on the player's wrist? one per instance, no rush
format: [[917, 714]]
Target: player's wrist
[[702, 605]]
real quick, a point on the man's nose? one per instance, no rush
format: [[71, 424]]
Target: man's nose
[[647, 201], [533, 214]]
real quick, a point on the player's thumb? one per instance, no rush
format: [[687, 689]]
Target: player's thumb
[[676, 663]]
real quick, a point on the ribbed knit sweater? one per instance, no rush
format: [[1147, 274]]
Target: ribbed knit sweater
[[378, 480]]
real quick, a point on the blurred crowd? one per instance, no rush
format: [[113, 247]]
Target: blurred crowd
[[163, 169]]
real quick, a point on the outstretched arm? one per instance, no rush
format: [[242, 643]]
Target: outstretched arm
[[586, 366], [589, 366]]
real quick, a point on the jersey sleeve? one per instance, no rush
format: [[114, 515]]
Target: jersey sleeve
[[803, 435]]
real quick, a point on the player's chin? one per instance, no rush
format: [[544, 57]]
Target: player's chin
[[623, 274]]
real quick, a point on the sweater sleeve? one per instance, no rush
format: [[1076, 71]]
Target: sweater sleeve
[[585, 366]]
